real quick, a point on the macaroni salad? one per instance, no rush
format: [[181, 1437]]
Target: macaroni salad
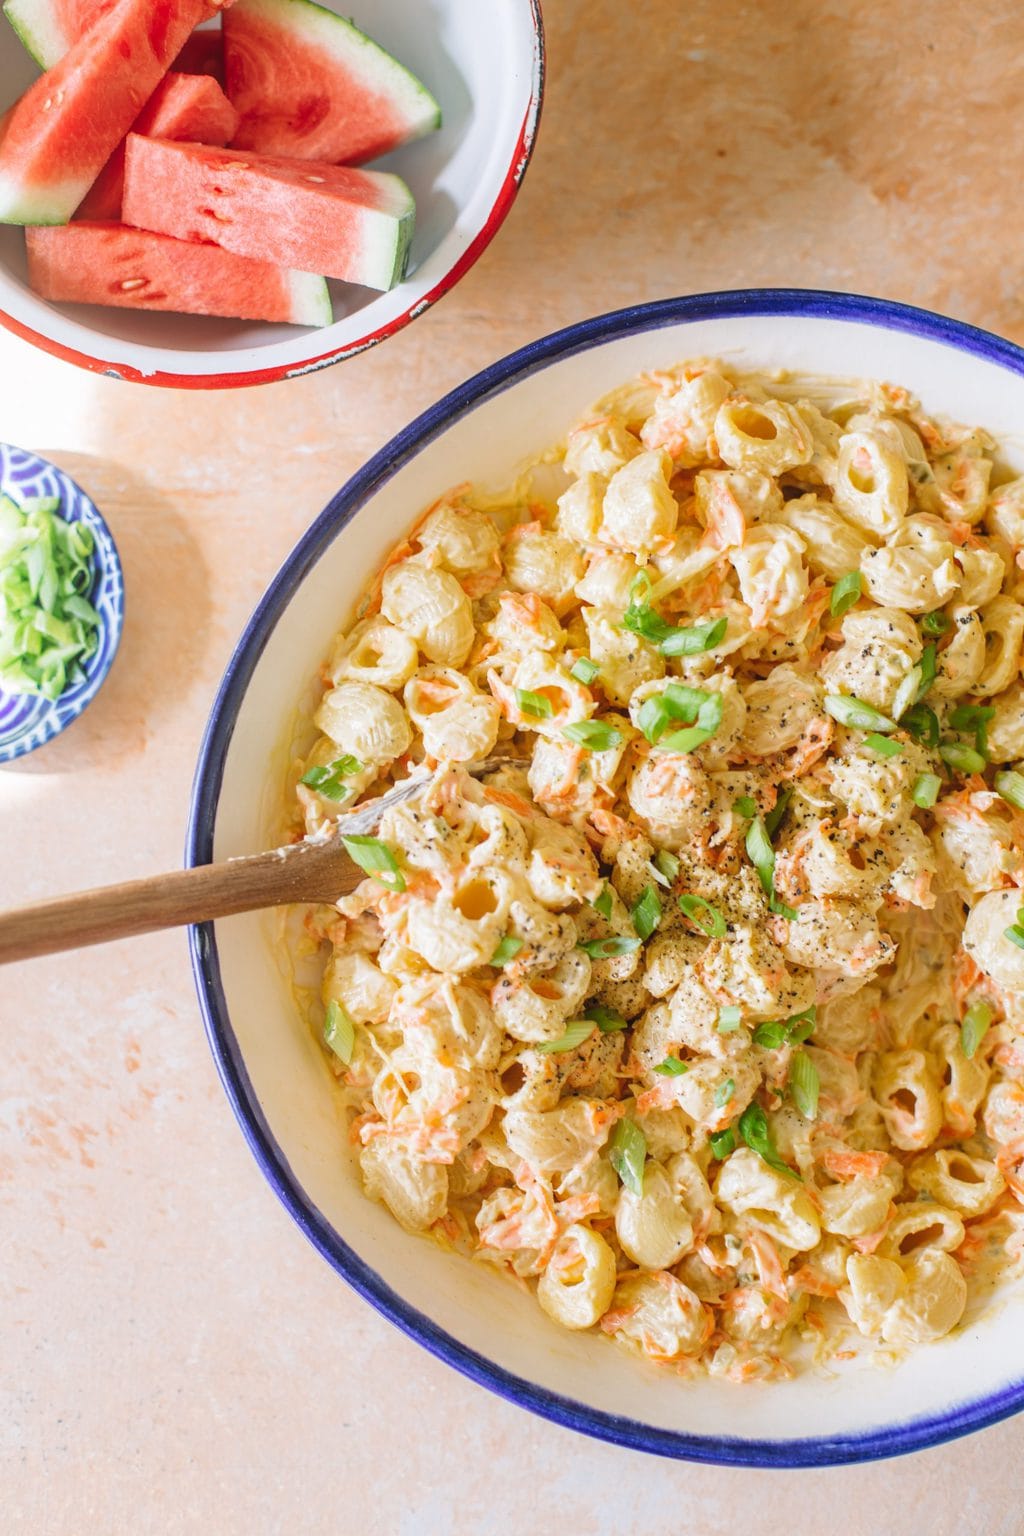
[[702, 1013]]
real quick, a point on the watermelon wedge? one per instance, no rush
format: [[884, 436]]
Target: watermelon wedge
[[64, 129], [48, 28], [182, 107], [203, 54], [109, 264], [346, 223], [309, 85]]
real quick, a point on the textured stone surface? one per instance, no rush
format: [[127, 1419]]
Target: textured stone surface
[[176, 1359]]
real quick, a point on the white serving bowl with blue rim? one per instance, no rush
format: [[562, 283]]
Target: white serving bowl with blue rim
[[26, 720], [274, 1072]]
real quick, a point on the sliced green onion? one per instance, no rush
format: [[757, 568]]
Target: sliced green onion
[[48, 628], [506, 950], [709, 718], [340, 1032], [627, 1150], [654, 717], [1011, 786], [671, 1067], [722, 1142], [603, 903], [801, 1026], [585, 670], [377, 860], [754, 1129], [961, 757], [703, 915], [575, 1034], [668, 863], [771, 1036], [974, 1027], [641, 619], [804, 1084], [595, 735], [724, 1092], [922, 723], [883, 745], [929, 666], [534, 704], [849, 710], [729, 1019], [1015, 935], [608, 949], [935, 623], [676, 702], [745, 806], [683, 702], [906, 693], [761, 854], [845, 593], [694, 639], [974, 717], [646, 914], [329, 781], [926, 790], [779, 907], [606, 1019], [774, 817]]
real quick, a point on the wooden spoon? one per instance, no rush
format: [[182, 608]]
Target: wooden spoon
[[312, 870]]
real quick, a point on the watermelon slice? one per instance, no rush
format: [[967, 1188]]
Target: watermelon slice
[[356, 225], [109, 264], [203, 54], [309, 85], [64, 129], [48, 28], [182, 107]]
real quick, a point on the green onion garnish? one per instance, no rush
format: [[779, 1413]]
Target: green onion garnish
[[646, 914], [1011, 786], [575, 1034], [883, 745], [754, 1129], [671, 1067], [1015, 935], [804, 1084], [779, 907], [906, 693], [928, 669], [506, 950], [606, 1019], [761, 854], [340, 1032], [48, 628], [724, 1092], [595, 735], [778, 810], [729, 1019], [709, 718], [534, 704], [603, 903], [329, 781], [926, 790], [961, 757], [377, 860], [935, 623], [974, 1027], [585, 670], [745, 806], [608, 949], [627, 1150], [722, 1142], [800, 1026], [922, 723], [849, 710], [689, 640], [703, 915], [845, 593], [771, 1036], [668, 863], [694, 639], [974, 717]]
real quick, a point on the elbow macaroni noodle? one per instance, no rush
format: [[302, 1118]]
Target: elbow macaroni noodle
[[703, 1013]]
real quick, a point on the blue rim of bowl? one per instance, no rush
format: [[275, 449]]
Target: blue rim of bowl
[[36, 720], [870, 1445]]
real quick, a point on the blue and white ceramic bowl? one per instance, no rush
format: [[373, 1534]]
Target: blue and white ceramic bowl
[[26, 721], [274, 1072]]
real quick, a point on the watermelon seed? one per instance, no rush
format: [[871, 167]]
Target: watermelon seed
[[133, 282], [314, 178]]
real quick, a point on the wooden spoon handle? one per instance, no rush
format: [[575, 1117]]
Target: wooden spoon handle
[[305, 872]]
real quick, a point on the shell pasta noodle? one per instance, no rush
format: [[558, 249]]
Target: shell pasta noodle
[[701, 1011]]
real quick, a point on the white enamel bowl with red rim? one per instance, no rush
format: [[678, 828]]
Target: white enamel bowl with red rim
[[483, 60], [273, 1070]]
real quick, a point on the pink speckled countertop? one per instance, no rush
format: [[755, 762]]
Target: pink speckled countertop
[[175, 1357]]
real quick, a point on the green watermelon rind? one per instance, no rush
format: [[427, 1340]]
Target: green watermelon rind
[[311, 299], [33, 22], [339, 36], [19, 205]]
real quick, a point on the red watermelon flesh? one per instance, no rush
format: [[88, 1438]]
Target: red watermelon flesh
[[48, 28], [346, 223], [309, 85], [132, 269], [64, 129], [189, 107], [203, 54]]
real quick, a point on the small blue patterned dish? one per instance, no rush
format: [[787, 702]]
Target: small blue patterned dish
[[26, 720]]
